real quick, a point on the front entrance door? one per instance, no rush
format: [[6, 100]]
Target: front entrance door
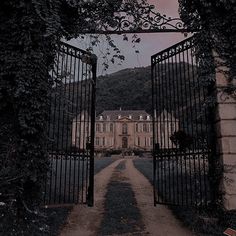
[[124, 142]]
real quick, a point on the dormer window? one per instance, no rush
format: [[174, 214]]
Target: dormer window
[[140, 117], [130, 116], [119, 116], [148, 117], [100, 118], [108, 117]]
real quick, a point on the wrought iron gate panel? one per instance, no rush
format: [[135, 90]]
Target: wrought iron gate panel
[[181, 128], [71, 128]]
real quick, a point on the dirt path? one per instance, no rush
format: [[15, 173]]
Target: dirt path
[[156, 221], [121, 213], [83, 220], [159, 221]]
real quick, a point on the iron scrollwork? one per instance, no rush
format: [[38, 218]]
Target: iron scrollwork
[[146, 20]]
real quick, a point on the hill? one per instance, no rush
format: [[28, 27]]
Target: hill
[[132, 89], [128, 89], [177, 90]]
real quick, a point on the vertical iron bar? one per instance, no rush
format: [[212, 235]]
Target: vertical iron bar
[[192, 128], [58, 134], [91, 173], [153, 77], [177, 153], [196, 131], [186, 155]]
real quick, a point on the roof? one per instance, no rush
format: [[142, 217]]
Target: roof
[[114, 114]]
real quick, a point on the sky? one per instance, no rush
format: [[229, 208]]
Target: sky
[[150, 44]]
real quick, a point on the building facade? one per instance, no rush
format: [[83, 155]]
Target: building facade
[[124, 130]]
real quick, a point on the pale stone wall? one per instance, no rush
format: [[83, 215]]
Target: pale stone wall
[[226, 137], [139, 134], [104, 139], [80, 131], [117, 134]]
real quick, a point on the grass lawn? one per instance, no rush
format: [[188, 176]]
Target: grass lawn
[[69, 179], [56, 217]]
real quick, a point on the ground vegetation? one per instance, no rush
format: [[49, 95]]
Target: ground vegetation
[[29, 35]]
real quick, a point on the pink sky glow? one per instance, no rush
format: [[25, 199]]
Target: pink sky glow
[[150, 43]]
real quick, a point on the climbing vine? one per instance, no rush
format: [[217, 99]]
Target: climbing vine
[[215, 23], [215, 41], [29, 34]]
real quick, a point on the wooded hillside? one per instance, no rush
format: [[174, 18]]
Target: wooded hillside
[[128, 89]]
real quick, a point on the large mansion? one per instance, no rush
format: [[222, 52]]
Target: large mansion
[[124, 130]]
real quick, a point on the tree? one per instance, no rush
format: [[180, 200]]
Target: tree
[[215, 22], [30, 32], [181, 140]]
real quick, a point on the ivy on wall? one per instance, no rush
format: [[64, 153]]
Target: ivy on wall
[[29, 33], [215, 22], [216, 25]]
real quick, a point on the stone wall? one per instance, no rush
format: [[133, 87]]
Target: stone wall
[[226, 136]]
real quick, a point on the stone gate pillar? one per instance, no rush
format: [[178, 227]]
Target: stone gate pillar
[[226, 135]]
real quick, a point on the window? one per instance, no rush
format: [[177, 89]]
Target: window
[[148, 127], [111, 127], [139, 141], [130, 116], [151, 141], [136, 127], [145, 142], [140, 128], [98, 129], [97, 141], [104, 127], [140, 117], [148, 117], [103, 141], [145, 128], [108, 117], [100, 118], [151, 127], [124, 129]]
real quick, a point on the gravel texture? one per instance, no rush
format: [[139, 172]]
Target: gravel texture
[[122, 215], [57, 216]]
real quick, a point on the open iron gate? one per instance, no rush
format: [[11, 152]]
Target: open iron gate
[[181, 128], [71, 128]]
